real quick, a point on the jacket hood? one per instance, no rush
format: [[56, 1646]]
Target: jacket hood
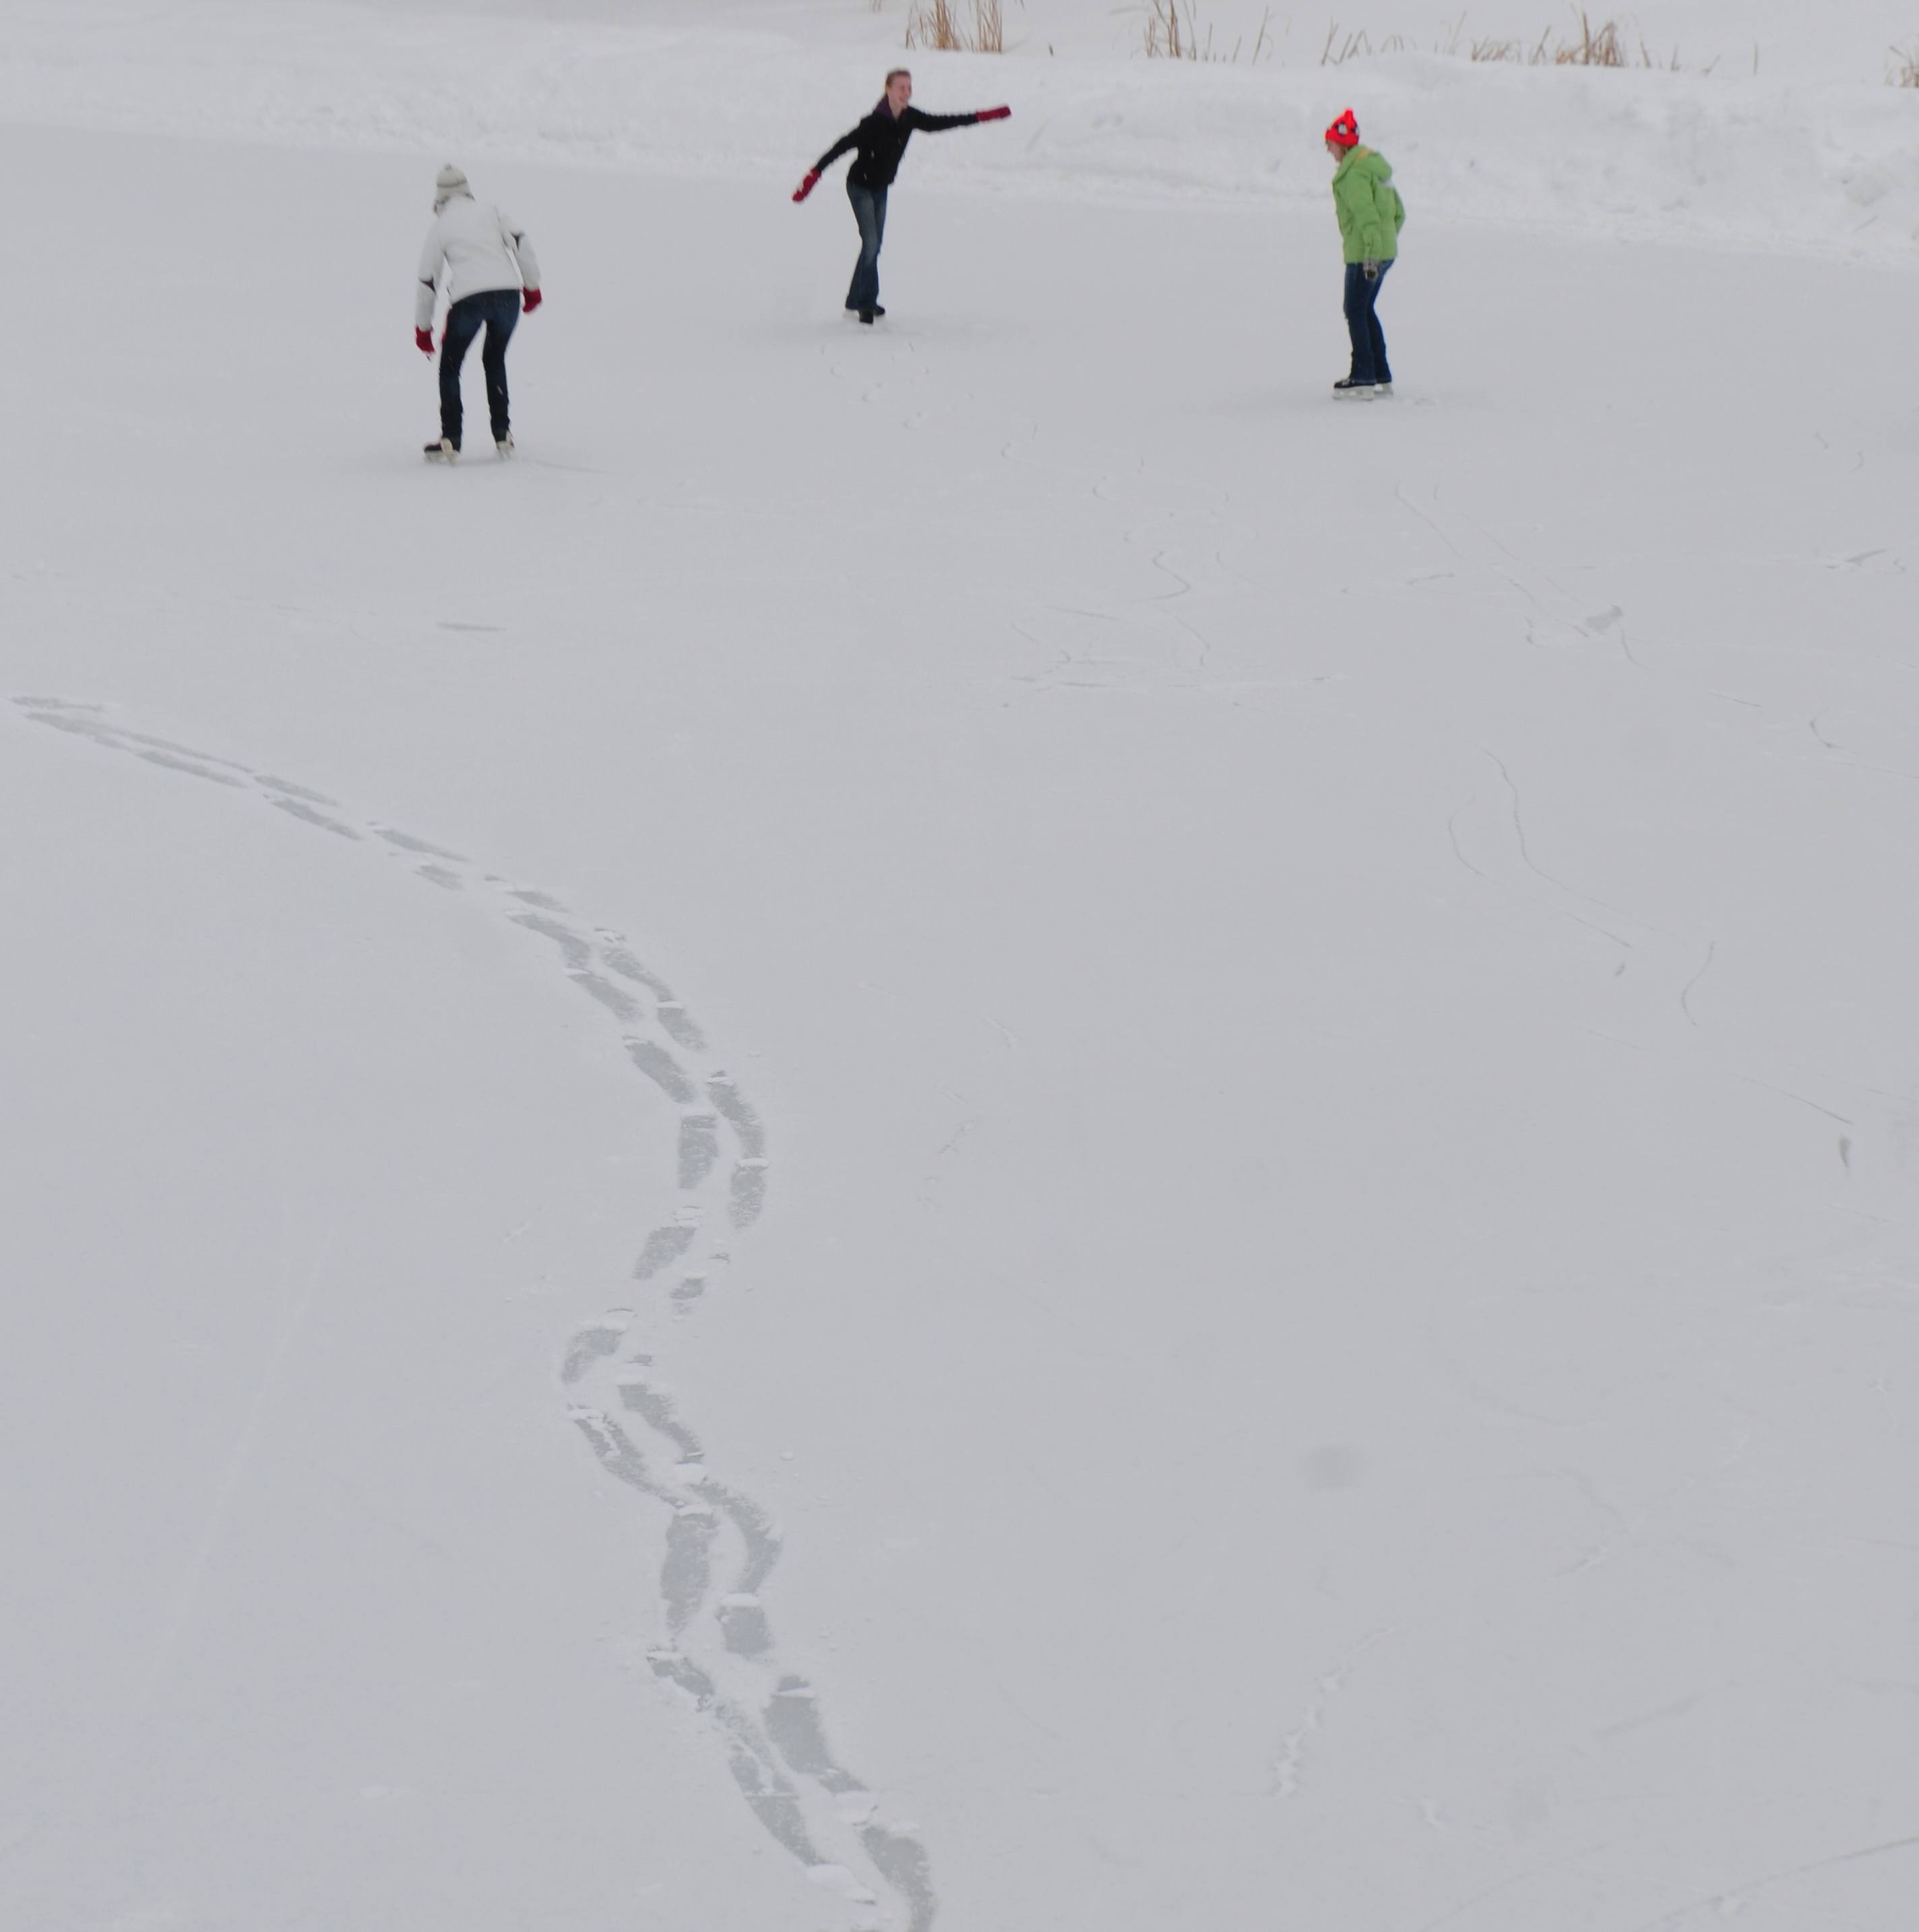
[[1365, 160]]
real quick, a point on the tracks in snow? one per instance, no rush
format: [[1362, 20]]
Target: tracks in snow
[[719, 1548]]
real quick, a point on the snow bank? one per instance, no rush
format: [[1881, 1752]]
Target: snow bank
[[1717, 160]]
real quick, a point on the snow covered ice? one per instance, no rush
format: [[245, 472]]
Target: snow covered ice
[[975, 1124]]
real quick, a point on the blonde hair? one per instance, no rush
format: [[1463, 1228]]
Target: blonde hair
[[898, 73]]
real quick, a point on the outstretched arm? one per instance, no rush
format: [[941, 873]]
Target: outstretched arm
[[938, 124], [840, 147], [845, 145]]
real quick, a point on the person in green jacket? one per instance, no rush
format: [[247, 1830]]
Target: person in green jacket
[[1370, 215]]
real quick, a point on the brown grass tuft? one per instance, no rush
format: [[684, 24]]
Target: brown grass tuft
[[936, 24], [1587, 45], [1173, 34], [1338, 50], [1904, 71]]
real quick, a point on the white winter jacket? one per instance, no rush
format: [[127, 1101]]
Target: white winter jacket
[[472, 248]]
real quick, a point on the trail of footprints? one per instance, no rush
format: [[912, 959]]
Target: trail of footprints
[[718, 1547]]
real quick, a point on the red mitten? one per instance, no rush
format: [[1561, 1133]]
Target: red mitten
[[806, 186], [995, 113], [529, 300], [422, 341]]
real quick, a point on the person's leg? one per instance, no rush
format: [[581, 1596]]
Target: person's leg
[[879, 239], [866, 286], [857, 296], [1382, 370], [502, 312], [1360, 322], [462, 324]]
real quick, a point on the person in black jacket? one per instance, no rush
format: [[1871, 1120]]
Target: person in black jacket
[[881, 138]]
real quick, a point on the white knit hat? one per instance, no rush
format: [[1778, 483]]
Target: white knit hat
[[448, 182]]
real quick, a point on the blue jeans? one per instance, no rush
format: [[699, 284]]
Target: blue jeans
[[496, 311], [869, 210], [1369, 362]]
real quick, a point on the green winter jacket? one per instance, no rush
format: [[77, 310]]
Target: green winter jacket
[[1371, 213]]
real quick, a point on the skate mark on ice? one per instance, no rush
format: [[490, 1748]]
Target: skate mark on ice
[[725, 1095], [623, 963], [661, 1067], [171, 763], [792, 1719], [596, 1341], [89, 721], [759, 1540], [619, 1455], [1687, 991], [664, 1247], [743, 1626], [1289, 1767], [82, 727], [596, 986], [747, 1192], [673, 1018], [777, 1806], [187, 752], [573, 949], [1515, 813], [407, 842], [717, 1548], [294, 791], [751, 1761], [1726, 1903], [1474, 547], [1582, 905], [658, 1409], [698, 1147], [686, 1575], [904, 1865], [308, 815]]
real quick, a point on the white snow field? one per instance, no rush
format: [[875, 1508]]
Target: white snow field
[[982, 1124]]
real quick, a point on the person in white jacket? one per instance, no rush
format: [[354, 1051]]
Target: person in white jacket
[[490, 272]]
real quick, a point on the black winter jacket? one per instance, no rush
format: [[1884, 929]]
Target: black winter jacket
[[881, 140]]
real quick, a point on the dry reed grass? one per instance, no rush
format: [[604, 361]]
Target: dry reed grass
[[1587, 46], [1356, 45], [937, 24], [1173, 34], [1904, 69]]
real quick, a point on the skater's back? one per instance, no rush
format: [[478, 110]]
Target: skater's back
[[476, 246]]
